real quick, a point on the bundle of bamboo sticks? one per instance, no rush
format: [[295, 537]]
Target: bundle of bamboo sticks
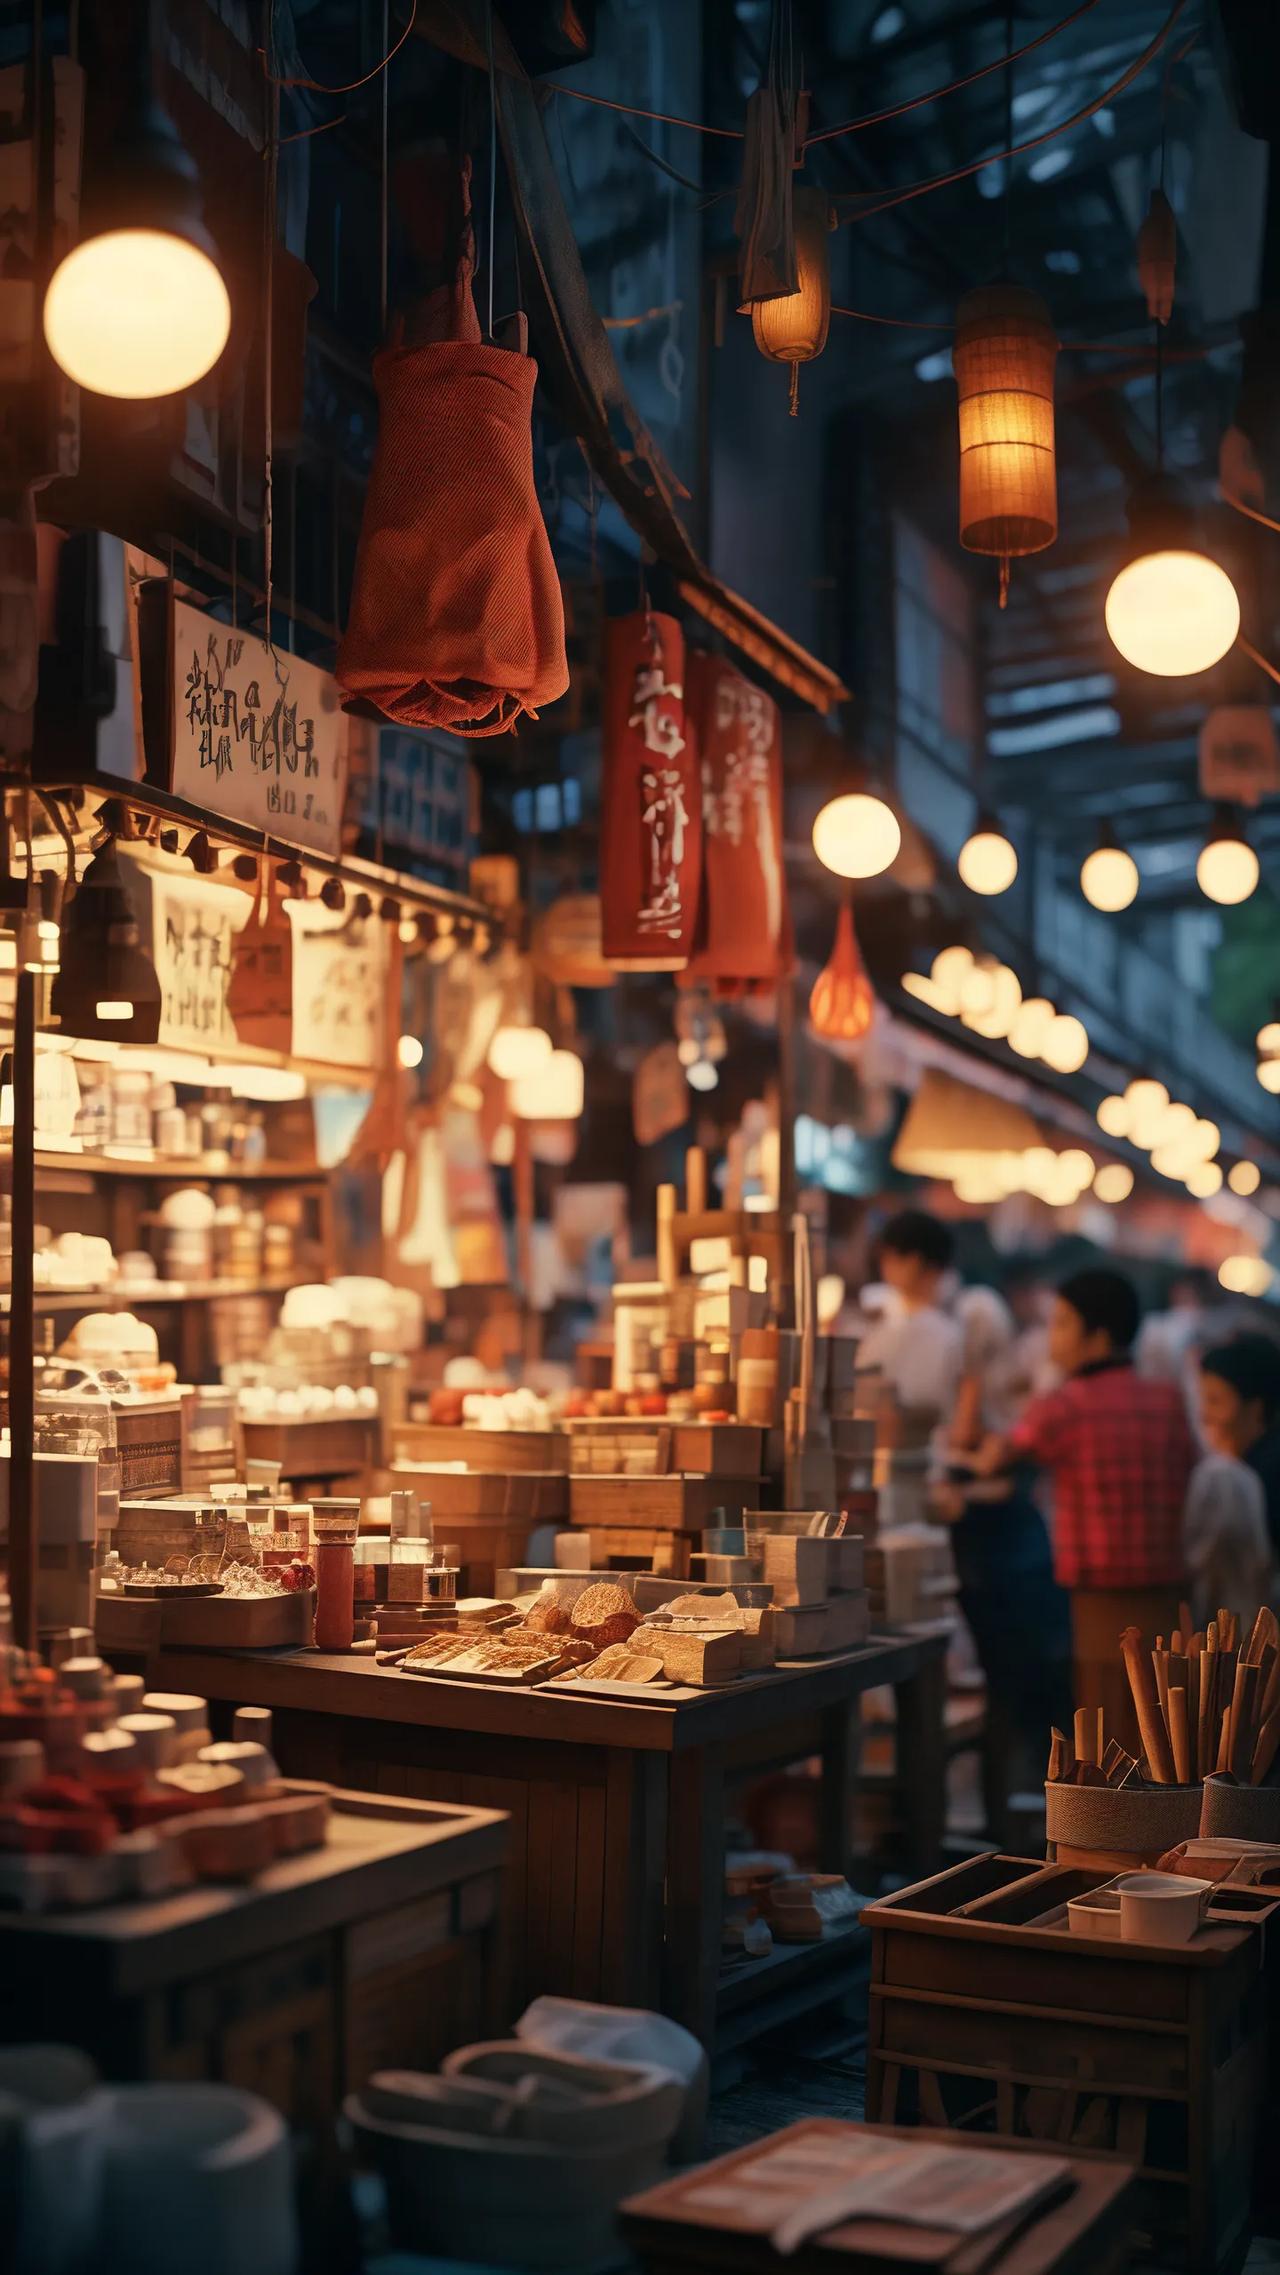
[[1205, 1706]]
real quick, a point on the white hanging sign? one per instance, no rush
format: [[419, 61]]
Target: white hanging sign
[[192, 924], [257, 734], [340, 970]]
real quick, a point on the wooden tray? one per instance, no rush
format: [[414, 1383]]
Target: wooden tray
[[663, 1504], [500, 1450]]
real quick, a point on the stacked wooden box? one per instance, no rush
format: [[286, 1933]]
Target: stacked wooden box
[[989, 2012], [665, 1483], [820, 1603], [512, 1481]]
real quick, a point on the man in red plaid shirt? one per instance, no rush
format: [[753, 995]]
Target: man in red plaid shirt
[[1120, 1452]]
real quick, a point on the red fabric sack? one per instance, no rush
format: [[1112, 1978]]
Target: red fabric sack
[[456, 615], [651, 798], [745, 941]]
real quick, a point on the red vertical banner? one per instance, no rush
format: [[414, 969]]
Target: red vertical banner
[[651, 804], [745, 941]]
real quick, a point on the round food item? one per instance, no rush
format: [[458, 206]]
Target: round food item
[[546, 1617]]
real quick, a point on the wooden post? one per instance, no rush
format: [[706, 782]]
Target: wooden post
[[23, 1542], [522, 1178]]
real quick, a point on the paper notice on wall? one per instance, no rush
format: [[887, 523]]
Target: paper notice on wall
[[340, 969], [192, 928]]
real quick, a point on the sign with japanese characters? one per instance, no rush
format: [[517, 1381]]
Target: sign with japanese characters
[[651, 802], [258, 735], [191, 923], [340, 970]]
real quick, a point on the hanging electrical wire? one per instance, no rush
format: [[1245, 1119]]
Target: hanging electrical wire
[[349, 86], [891, 198]]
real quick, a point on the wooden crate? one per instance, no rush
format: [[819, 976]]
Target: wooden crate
[[487, 1514], [315, 1445], [660, 1504], [648, 1446], [149, 1438], [500, 1450], [990, 2013], [204, 1623], [653, 1548]]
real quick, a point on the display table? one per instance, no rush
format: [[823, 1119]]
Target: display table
[[618, 1806], [381, 1948]]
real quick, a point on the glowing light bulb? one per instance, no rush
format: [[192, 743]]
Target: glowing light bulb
[[1109, 878], [1032, 1020], [1268, 1073], [702, 1075], [948, 971], [987, 862], [516, 1052], [1176, 1125], [1114, 1182], [1173, 613], [857, 835], [113, 1009], [136, 313], [1066, 1045], [1204, 1180], [1226, 866], [1245, 1275], [1244, 1178], [1269, 1037], [409, 1051], [1145, 1096], [1113, 1116], [978, 989]]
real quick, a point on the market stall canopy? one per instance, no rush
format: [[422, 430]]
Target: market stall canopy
[[578, 366], [948, 1124]]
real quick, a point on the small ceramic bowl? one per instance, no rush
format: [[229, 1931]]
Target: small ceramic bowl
[[1161, 1907]]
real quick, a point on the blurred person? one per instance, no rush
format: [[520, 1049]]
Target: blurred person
[[1119, 1450], [1017, 1614], [1229, 1550], [1170, 1341], [915, 1344], [1240, 1416]]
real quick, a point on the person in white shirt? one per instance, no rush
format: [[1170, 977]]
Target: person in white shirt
[[916, 1345]]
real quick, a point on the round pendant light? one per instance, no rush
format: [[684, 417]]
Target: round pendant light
[[1268, 1072], [107, 986], [1245, 1275], [1031, 1023], [1244, 1178], [987, 861], [857, 835], [1066, 1045], [842, 1005], [1204, 1180], [1268, 1038], [138, 307], [519, 1050], [1226, 866], [1109, 875], [1113, 1117], [1114, 1182], [1172, 610]]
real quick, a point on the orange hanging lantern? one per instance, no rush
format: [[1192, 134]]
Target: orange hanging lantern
[[1005, 353], [842, 1005], [793, 328]]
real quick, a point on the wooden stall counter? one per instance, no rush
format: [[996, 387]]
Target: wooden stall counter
[[619, 1806]]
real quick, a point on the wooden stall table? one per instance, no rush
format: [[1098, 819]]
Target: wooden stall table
[[618, 1806]]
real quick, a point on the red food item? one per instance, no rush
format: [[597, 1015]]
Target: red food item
[[576, 1405], [653, 1402], [717, 1414], [444, 1408], [76, 1821], [296, 1576], [608, 1404]]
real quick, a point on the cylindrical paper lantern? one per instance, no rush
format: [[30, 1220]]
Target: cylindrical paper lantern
[[793, 328], [1004, 357]]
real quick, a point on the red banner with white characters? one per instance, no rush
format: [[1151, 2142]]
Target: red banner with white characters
[[651, 807], [744, 941]]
